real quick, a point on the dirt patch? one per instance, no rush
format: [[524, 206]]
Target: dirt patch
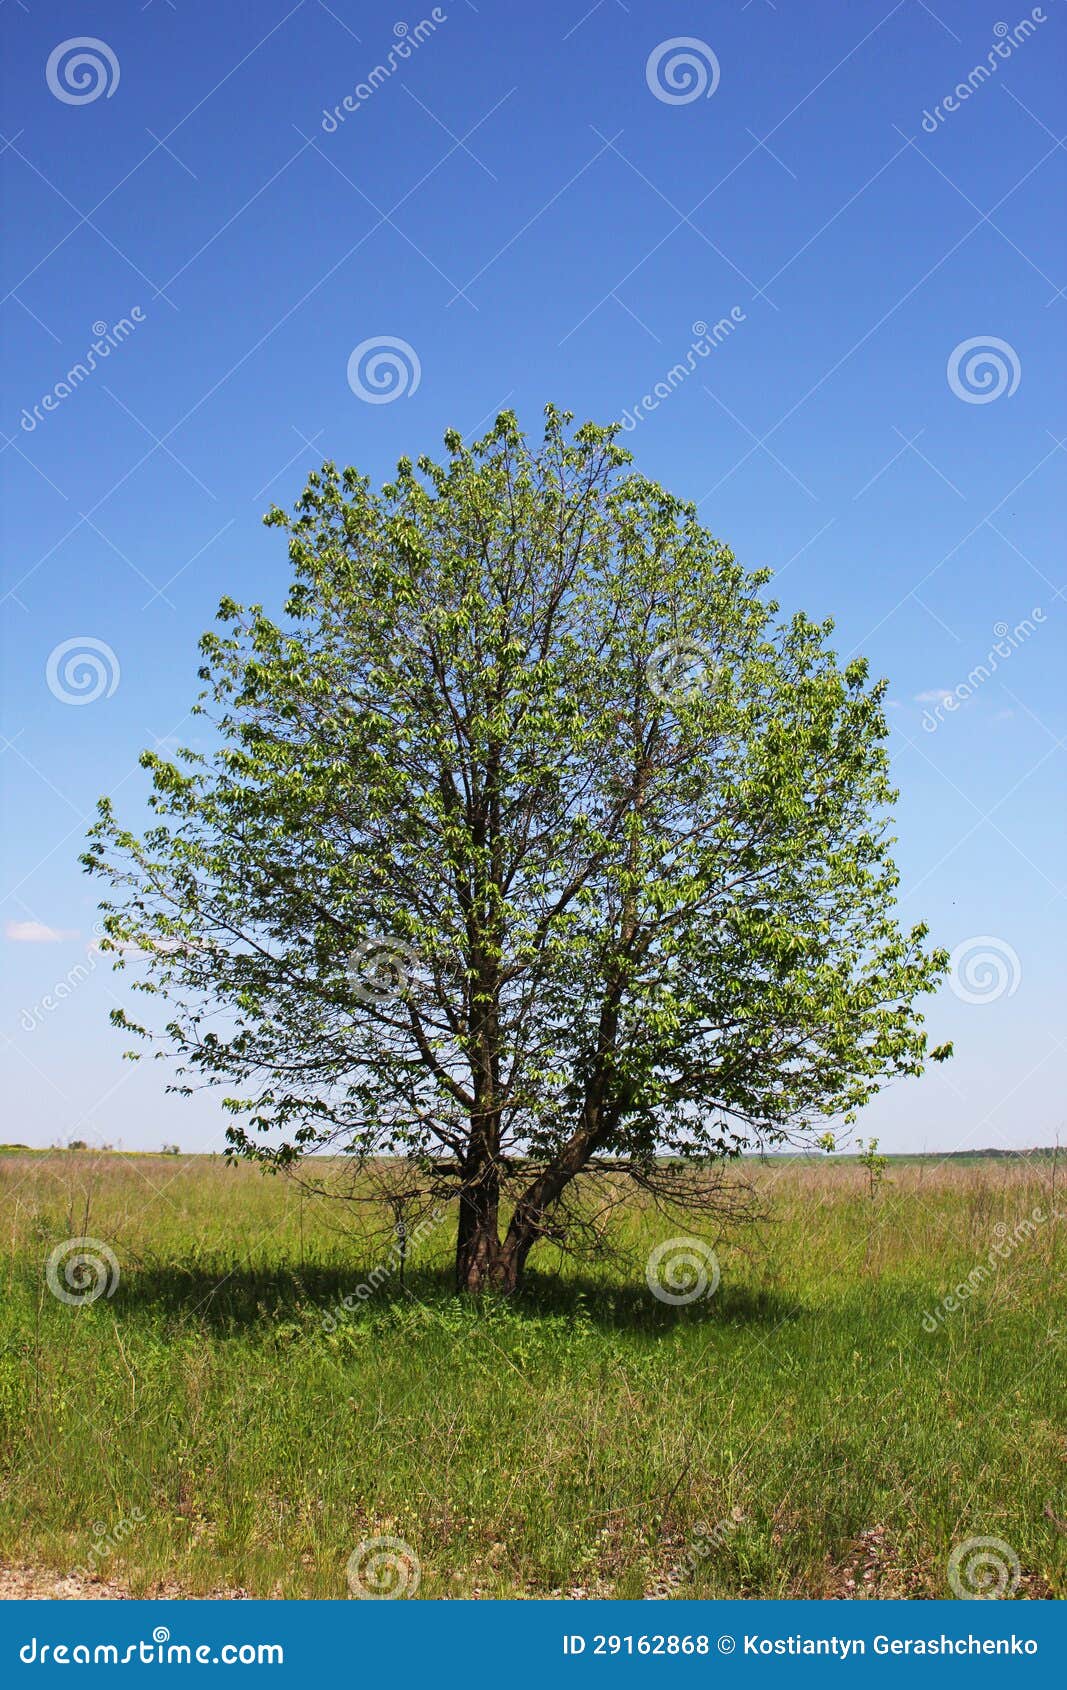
[[22, 1584], [39, 1584]]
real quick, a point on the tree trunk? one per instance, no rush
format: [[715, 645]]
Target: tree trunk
[[480, 1261], [484, 1264], [484, 1260], [528, 1220]]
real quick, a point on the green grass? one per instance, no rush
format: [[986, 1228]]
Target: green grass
[[575, 1441]]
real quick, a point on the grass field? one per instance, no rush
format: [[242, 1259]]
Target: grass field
[[221, 1423]]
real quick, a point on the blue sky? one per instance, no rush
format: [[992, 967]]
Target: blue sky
[[518, 203]]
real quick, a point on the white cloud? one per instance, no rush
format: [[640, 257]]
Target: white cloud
[[36, 933], [934, 695]]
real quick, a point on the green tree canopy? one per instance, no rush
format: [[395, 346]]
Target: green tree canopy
[[534, 843]]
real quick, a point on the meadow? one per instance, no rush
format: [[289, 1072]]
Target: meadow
[[832, 1422]]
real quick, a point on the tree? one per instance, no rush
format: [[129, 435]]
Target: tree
[[534, 848], [874, 1165]]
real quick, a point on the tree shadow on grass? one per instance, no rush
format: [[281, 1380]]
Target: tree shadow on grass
[[618, 1304], [327, 1298]]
